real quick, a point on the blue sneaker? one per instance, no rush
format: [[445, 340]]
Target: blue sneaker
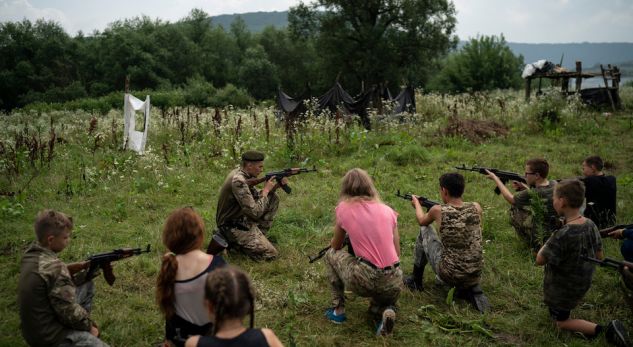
[[385, 327], [335, 318]]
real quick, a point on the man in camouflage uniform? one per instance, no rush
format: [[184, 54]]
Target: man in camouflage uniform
[[244, 214], [53, 312], [531, 213], [455, 256]]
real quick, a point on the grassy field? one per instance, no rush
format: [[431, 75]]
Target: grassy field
[[120, 199]]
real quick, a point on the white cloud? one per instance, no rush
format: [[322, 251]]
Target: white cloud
[[17, 10]]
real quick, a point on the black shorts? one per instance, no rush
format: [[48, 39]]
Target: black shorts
[[559, 314]]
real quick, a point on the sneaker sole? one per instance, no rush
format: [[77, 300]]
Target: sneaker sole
[[389, 320], [621, 339]]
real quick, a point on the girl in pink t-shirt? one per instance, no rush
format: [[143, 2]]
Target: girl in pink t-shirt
[[373, 270]]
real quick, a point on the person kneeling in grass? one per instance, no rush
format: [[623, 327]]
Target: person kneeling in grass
[[374, 270], [567, 276], [456, 256], [229, 297]]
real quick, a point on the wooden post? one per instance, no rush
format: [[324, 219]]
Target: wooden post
[[606, 87], [578, 76], [528, 88]]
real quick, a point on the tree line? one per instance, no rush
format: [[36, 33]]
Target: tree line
[[382, 42]]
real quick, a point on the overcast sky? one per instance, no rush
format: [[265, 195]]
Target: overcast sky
[[551, 21]]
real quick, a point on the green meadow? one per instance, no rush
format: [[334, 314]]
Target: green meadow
[[73, 162]]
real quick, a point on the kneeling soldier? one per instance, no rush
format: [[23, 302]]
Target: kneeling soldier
[[244, 214]]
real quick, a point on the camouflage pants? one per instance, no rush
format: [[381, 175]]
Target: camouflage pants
[[253, 242], [428, 249], [347, 272], [76, 338], [523, 224]]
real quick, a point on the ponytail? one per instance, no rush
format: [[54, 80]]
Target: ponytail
[[165, 294]]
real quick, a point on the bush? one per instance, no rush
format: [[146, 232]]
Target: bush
[[547, 108], [231, 95]]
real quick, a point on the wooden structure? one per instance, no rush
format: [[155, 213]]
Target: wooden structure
[[611, 73]]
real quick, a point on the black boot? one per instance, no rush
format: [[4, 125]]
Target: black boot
[[475, 295], [414, 281]]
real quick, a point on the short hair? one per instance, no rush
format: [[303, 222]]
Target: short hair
[[572, 190], [539, 166], [454, 183], [51, 222], [595, 161]]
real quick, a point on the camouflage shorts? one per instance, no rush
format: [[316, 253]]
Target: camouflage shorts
[[347, 272], [251, 242]]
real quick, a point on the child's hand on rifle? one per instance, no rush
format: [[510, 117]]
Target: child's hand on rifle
[[616, 234]]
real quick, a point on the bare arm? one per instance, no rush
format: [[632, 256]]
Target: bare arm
[[425, 219], [505, 192], [192, 341], [396, 240], [338, 238], [540, 258], [271, 338]]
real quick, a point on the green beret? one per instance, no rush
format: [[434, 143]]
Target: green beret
[[253, 156]]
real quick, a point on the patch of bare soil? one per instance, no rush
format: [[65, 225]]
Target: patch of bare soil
[[476, 131]]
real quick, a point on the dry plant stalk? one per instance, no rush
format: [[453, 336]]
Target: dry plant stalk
[[166, 152], [93, 126], [182, 133], [267, 127], [51, 145], [238, 128]]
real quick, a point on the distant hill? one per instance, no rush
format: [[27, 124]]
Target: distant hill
[[591, 54], [255, 21]]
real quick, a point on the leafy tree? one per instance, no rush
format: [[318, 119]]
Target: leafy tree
[[376, 40], [484, 63], [257, 74]]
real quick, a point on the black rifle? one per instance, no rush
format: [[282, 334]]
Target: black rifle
[[608, 262], [423, 201], [103, 260], [504, 176], [322, 252], [279, 175], [605, 232]]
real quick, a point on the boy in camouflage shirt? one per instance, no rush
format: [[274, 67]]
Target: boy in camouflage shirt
[[53, 312], [531, 214], [567, 276], [456, 256]]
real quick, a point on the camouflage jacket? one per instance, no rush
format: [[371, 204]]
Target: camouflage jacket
[[46, 296], [238, 202]]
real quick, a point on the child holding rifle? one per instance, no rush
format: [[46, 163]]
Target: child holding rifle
[[374, 270], [567, 276], [455, 256], [531, 214], [53, 312]]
